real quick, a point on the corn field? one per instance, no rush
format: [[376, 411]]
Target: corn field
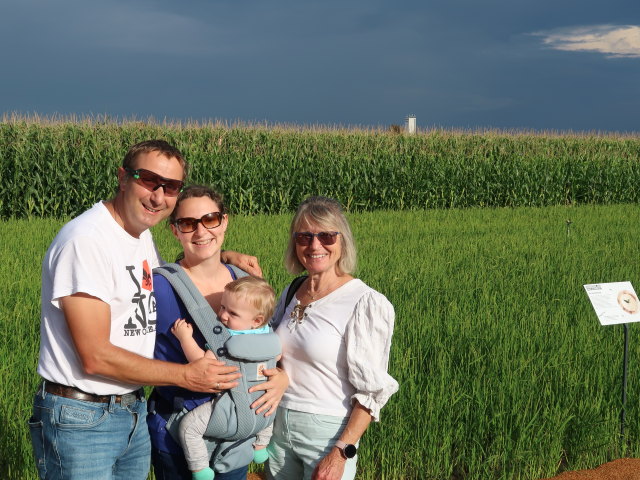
[[59, 169]]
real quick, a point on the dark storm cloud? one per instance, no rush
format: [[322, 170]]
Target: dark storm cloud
[[460, 64]]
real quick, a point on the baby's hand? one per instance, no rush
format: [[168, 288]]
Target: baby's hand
[[182, 329]]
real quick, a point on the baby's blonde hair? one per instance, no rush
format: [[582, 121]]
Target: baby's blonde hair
[[257, 292]]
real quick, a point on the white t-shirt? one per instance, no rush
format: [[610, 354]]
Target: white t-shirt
[[339, 352], [94, 255]]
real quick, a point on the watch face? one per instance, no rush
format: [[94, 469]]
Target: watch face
[[350, 451]]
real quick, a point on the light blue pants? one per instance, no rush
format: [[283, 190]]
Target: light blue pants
[[300, 440], [74, 439]]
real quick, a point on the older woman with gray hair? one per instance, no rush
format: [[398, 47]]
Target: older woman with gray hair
[[336, 335]]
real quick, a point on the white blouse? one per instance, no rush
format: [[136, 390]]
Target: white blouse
[[338, 351]]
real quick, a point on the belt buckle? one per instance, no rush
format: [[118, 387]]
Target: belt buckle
[[128, 399]]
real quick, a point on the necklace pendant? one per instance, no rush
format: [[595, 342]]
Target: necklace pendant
[[297, 316]]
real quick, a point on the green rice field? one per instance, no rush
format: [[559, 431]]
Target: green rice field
[[504, 370]]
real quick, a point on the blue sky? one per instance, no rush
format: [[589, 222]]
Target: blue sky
[[506, 64]]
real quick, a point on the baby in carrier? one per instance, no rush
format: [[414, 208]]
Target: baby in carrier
[[246, 307]]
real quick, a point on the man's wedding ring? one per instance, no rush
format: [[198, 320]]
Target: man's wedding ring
[[218, 386]]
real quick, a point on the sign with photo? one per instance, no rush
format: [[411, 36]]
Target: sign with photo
[[614, 303]]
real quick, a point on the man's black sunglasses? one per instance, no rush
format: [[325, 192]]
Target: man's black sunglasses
[[152, 181]]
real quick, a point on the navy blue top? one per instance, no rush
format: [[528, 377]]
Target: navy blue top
[[169, 309]]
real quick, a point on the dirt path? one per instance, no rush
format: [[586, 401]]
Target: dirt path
[[621, 469]]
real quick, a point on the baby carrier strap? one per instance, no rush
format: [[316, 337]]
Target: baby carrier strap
[[195, 303], [281, 307], [216, 335], [293, 288]]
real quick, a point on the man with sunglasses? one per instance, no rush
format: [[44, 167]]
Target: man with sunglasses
[[98, 329]]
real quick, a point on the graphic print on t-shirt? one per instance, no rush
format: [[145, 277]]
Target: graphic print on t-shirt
[[143, 320], [146, 276]]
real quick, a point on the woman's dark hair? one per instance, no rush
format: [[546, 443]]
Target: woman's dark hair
[[197, 191]]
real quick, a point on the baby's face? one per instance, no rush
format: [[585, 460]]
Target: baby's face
[[236, 313]]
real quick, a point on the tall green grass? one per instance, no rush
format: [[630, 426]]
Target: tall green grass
[[60, 168], [504, 370]]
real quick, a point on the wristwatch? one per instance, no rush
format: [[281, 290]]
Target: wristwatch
[[347, 450]]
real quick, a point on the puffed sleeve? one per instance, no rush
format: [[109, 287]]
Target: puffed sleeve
[[368, 341]]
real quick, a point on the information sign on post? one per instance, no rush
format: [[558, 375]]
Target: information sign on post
[[616, 303]]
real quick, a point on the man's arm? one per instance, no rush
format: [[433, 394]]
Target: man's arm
[[89, 321], [244, 262]]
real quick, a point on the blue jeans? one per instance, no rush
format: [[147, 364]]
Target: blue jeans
[[74, 439], [167, 466]]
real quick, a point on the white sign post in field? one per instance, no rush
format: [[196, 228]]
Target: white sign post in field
[[616, 303]]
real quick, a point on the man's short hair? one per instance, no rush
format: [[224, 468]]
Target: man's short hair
[[257, 292], [148, 146]]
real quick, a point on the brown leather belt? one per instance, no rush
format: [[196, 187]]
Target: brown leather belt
[[76, 394]]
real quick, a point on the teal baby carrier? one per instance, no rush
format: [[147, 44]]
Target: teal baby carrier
[[232, 424]]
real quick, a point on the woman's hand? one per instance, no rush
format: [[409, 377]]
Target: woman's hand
[[273, 391], [330, 467]]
